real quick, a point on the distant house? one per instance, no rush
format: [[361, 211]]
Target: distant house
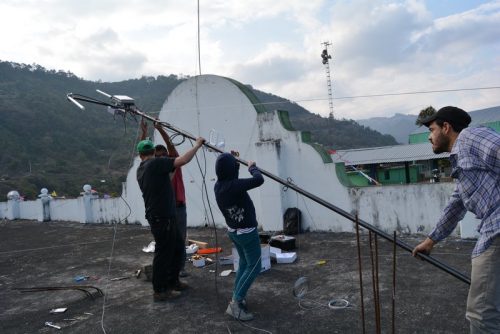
[[403, 164], [399, 164]]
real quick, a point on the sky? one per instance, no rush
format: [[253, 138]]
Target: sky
[[377, 47]]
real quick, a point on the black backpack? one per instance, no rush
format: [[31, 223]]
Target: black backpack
[[292, 221]]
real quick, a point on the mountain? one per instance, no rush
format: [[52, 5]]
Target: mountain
[[48, 142], [332, 133], [401, 126]]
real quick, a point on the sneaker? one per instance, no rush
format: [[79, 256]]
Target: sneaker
[[238, 311], [166, 295], [181, 286], [243, 305]]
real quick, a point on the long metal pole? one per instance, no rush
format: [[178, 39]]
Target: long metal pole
[[452, 271], [134, 110]]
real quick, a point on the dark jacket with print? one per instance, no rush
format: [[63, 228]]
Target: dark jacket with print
[[231, 192]]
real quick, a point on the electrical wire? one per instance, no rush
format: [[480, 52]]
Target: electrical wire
[[287, 101], [332, 304], [204, 192], [105, 290], [58, 246], [352, 97], [199, 47], [131, 162]]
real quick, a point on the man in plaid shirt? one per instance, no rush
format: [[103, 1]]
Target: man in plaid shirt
[[475, 161]]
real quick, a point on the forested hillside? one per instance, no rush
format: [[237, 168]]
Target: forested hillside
[[48, 142], [332, 133]]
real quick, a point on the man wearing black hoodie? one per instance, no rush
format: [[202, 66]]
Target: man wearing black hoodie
[[239, 213]]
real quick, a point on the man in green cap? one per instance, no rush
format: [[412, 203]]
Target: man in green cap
[[159, 200]]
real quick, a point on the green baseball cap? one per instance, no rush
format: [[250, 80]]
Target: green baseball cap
[[145, 145]]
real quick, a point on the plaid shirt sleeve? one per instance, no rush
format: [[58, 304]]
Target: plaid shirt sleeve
[[453, 213], [485, 147]]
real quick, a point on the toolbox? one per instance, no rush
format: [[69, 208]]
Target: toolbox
[[283, 242]]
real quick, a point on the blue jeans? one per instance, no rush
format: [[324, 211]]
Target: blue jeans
[[248, 247]]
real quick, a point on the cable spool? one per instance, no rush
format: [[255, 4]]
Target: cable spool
[[336, 304], [301, 287]]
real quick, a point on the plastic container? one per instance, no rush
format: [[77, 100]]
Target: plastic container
[[199, 262], [286, 257]]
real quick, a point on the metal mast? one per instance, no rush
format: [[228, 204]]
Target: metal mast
[[124, 105], [325, 56]]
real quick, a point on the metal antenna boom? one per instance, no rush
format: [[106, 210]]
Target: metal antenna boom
[[435, 262]]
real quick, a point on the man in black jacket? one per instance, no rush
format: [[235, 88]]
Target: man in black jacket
[[157, 192]]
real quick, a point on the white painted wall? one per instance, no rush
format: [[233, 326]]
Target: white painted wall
[[4, 208], [67, 210], [404, 208], [31, 209], [211, 104], [110, 210]]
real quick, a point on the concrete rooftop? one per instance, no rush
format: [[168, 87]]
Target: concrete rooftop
[[34, 254]]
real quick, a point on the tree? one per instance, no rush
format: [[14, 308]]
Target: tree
[[424, 113]]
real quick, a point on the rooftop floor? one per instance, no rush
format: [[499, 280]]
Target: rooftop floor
[[34, 254]]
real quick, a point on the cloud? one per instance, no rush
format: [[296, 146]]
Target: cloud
[[462, 32], [277, 64], [378, 46], [396, 47], [106, 56]]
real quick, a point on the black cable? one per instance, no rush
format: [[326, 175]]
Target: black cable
[[204, 192], [175, 135]]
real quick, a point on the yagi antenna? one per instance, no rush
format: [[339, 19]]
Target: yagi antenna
[[75, 102], [103, 93], [120, 101]]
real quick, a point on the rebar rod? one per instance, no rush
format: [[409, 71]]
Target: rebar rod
[[394, 285], [360, 276]]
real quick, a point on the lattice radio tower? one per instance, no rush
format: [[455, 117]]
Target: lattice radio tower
[[325, 56]]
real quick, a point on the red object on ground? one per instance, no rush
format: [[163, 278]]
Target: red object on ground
[[209, 250]]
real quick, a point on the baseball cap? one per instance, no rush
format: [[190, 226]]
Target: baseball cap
[[452, 115], [145, 145]]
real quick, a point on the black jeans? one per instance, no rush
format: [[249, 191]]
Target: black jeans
[[181, 216], [168, 258]]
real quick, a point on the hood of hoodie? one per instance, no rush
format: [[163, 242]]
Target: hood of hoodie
[[226, 167]]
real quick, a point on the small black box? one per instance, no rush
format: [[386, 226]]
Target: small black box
[[283, 242], [264, 237]]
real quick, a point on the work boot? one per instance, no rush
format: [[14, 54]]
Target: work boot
[[166, 295], [180, 286], [148, 272], [238, 311]]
